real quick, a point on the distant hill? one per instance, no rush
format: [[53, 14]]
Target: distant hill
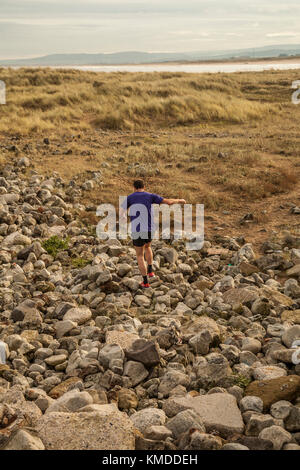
[[133, 57]]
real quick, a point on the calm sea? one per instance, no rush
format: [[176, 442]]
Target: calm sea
[[189, 68]]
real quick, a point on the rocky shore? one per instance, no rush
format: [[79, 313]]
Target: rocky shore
[[206, 359]]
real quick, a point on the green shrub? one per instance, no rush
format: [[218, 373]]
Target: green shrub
[[80, 262], [55, 244], [242, 381]]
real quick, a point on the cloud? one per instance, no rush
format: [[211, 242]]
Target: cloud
[[39, 27], [282, 35]]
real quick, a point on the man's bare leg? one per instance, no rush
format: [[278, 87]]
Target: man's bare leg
[[140, 251], [149, 254]]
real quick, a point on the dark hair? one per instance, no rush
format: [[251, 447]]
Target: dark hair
[[138, 184]]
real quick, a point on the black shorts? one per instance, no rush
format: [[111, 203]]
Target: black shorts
[[143, 238]]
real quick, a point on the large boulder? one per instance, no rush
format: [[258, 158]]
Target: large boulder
[[123, 338], [97, 430], [273, 390], [218, 411]]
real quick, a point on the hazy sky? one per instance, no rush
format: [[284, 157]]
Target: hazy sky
[[39, 27]]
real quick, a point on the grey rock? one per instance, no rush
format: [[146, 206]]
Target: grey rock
[[257, 423], [136, 372], [281, 409], [251, 404], [24, 440], [184, 421], [148, 417], [290, 335], [277, 435], [71, 401], [292, 422], [79, 315], [218, 411], [234, 446]]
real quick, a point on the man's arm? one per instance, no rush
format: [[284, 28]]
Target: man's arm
[[170, 202]]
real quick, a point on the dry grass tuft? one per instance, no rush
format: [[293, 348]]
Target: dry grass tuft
[[43, 99]]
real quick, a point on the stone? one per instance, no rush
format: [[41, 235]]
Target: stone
[[251, 404], [214, 371], [135, 371], [127, 399], [268, 372], [281, 409], [292, 422], [109, 353], [276, 297], [182, 309], [64, 387], [247, 268], [64, 327], [277, 435], [15, 238], [203, 441], [255, 443], [79, 315], [257, 422], [142, 301], [43, 402], [219, 411], [123, 269], [291, 316], [71, 401], [247, 357], [103, 278], [97, 430], [201, 342], [170, 380], [291, 447], [24, 440], [158, 433], [145, 352], [25, 308], [29, 411], [123, 338], [170, 255], [261, 307], [234, 446], [142, 420], [101, 407], [292, 288], [273, 390], [239, 295], [184, 421], [251, 345], [290, 335], [294, 271], [203, 323], [55, 360]]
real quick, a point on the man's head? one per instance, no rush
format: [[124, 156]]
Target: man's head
[[138, 184]]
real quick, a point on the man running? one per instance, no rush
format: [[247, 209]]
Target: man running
[[144, 227]]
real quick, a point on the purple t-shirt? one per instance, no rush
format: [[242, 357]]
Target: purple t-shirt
[[143, 216]]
